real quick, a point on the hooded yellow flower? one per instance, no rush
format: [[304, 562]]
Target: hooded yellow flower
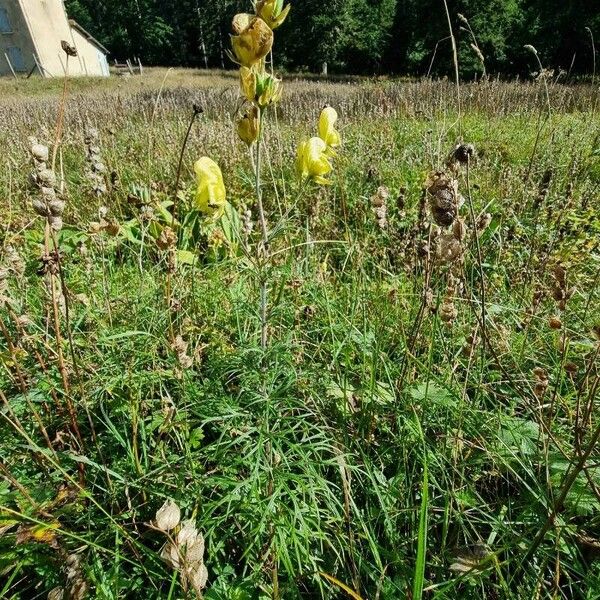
[[248, 126], [272, 12], [327, 131], [313, 162], [261, 88], [210, 193], [253, 39]]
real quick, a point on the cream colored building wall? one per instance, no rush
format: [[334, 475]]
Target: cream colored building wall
[[91, 59], [48, 24], [18, 38]]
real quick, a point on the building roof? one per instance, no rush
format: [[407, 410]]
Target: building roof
[[90, 38]]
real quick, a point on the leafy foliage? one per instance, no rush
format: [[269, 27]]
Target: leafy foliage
[[356, 36]]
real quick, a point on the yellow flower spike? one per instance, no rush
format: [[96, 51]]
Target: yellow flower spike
[[272, 12], [312, 161], [327, 131], [210, 193], [248, 126], [253, 39]]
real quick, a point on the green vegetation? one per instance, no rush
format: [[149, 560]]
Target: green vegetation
[[393, 394], [356, 36]]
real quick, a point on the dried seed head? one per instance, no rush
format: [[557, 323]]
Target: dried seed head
[[448, 249], [464, 153], [167, 239], [56, 207], [198, 577], [379, 205], [484, 222], [57, 593], [68, 49], [46, 178], [443, 198], [459, 229], [555, 322], [55, 222], [380, 197], [39, 152], [40, 207], [571, 368]]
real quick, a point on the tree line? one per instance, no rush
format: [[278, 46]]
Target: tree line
[[358, 36]]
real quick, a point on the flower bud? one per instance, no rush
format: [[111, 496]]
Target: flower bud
[[327, 131], [272, 12]]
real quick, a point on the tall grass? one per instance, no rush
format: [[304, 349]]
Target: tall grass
[[407, 454]]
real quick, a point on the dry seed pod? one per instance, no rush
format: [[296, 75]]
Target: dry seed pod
[[571, 368], [55, 222], [484, 222], [56, 207], [198, 578], [40, 152], [379, 205], [46, 178], [448, 249], [555, 322], [167, 239], [459, 229], [41, 208], [57, 593], [167, 516]]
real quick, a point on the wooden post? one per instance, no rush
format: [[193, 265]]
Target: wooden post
[[129, 67], [41, 69], [62, 64], [140, 66], [10, 65]]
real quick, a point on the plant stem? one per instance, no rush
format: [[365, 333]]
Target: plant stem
[[456, 72], [479, 263], [264, 249]]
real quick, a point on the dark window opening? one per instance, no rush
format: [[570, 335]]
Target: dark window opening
[[4, 22]]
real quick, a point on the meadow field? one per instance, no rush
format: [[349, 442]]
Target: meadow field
[[386, 387]]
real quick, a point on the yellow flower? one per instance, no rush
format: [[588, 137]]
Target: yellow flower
[[253, 39], [272, 12], [248, 81], [210, 193], [261, 88], [327, 131], [248, 126], [313, 162]]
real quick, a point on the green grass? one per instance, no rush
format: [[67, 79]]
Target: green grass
[[367, 443]]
